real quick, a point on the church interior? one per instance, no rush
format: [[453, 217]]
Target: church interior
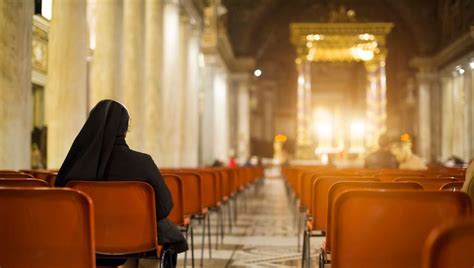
[[267, 133]]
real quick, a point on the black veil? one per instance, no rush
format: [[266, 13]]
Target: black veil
[[87, 159]]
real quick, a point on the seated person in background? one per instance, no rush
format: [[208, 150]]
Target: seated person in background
[[382, 158], [468, 186], [101, 153], [406, 158]]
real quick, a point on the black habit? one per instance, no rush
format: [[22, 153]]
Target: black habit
[[100, 153]]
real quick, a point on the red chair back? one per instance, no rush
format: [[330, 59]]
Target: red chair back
[[22, 182], [46, 228], [125, 215]]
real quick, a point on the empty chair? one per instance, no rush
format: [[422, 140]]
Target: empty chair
[[450, 245], [177, 215], [15, 175], [376, 228], [428, 183], [22, 182], [46, 228], [125, 221], [452, 186]]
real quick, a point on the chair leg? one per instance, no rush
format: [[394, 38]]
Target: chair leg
[[229, 215], [218, 226], [222, 226], [321, 260], [299, 232], [192, 246], [203, 242], [235, 209], [209, 234], [308, 249], [186, 252], [303, 254]]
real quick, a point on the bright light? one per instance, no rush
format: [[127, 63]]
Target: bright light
[[257, 73], [357, 129], [47, 9], [324, 129], [314, 37], [366, 37], [301, 80], [459, 69], [471, 64], [362, 54]]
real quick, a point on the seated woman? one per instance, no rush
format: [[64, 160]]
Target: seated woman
[[100, 152], [406, 158]]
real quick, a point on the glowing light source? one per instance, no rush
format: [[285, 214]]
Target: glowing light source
[[405, 137], [460, 70], [280, 138], [362, 54], [471, 64], [366, 37], [257, 73], [357, 129], [324, 129], [314, 37], [47, 9]]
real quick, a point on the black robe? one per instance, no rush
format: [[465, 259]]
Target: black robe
[[100, 153]]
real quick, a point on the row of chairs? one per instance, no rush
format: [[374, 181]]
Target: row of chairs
[[379, 202], [52, 227]]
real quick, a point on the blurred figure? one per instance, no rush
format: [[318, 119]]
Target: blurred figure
[[232, 163], [382, 158], [454, 161], [406, 158], [217, 163], [468, 186], [36, 159]]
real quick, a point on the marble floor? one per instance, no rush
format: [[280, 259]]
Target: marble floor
[[264, 234]]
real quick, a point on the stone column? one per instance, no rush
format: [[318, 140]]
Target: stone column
[[106, 72], [15, 83], [447, 116], [133, 72], [171, 104], [207, 112], [153, 78], [221, 116], [425, 84], [243, 116], [66, 96], [190, 119], [303, 110], [375, 103]]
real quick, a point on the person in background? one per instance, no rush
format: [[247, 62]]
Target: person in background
[[382, 158], [100, 153], [406, 158], [468, 186], [36, 159]]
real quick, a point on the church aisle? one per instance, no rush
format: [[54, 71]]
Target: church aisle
[[264, 236]]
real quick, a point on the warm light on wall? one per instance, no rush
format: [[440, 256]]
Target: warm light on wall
[[362, 54], [324, 130], [357, 129]]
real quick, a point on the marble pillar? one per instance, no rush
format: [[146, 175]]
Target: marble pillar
[[243, 117], [134, 71], [304, 148], [153, 78], [425, 84], [106, 71], [171, 84], [207, 111], [447, 117], [375, 101], [190, 146], [221, 116], [15, 83], [66, 89]]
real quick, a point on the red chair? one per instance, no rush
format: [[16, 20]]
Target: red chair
[[46, 228], [452, 186], [125, 217], [450, 245], [376, 228], [177, 215], [22, 182], [428, 183], [15, 175]]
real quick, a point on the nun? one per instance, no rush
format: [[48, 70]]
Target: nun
[[100, 152]]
